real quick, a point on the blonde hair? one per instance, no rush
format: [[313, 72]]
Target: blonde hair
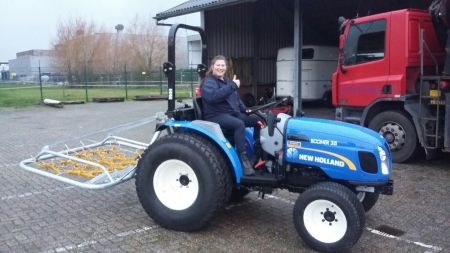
[[210, 70]]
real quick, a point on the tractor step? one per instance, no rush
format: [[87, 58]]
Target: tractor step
[[258, 179]]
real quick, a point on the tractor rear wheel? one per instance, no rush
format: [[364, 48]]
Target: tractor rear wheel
[[182, 181], [329, 217]]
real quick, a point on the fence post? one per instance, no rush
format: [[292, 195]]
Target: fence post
[[85, 81], [160, 81], [40, 82], [126, 87], [69, 78], [192, 85]]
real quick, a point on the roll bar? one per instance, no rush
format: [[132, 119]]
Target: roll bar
[[169, 67]]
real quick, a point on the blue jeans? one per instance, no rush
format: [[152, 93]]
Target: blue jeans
[[237, 122]]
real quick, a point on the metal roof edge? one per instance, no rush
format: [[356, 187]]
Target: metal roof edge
[[179, 10]]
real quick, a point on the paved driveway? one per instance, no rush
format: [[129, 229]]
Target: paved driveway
[[41, 215]]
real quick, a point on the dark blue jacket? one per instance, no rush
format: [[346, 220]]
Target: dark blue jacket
[[220, 97]]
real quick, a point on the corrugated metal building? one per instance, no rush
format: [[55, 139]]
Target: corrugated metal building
[[256, 29]]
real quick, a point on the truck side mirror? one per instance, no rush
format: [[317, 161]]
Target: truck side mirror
[[341, 63], [341, 42], [341, 23], [341, 20]]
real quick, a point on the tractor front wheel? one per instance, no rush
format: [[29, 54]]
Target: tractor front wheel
[[329, 217], [182, 181]]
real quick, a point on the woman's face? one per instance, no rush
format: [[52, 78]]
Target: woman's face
[[219, 69]]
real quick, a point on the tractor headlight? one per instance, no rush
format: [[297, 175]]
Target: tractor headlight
[[384, 161]]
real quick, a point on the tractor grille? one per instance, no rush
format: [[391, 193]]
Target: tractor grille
[[368, 162]]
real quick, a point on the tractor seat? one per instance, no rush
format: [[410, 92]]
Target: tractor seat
[[198, 107]]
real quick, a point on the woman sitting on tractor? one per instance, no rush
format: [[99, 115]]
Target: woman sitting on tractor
[[222, 105]]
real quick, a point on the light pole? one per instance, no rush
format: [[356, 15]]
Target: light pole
[[119, 29]]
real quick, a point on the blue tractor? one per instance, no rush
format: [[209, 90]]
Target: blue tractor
[[189, 174]]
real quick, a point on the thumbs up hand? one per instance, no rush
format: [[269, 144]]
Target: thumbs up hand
[[236, 81]]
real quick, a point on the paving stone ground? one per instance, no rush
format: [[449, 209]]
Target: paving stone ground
[[41, 215]]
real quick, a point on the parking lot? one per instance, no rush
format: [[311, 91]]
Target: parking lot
[[41, 215]]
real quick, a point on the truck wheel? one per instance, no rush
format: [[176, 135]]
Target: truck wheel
[[328, 99], [398, 130], [329, 217], [182, 181], [367, 199], [237, 193]]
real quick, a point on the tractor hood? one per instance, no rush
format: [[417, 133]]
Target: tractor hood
[[319, 128], [342, 150]]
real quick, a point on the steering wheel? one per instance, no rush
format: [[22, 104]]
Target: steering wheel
[[269, 105], [270, 118]]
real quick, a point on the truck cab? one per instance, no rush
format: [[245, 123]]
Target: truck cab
[[387, 78]]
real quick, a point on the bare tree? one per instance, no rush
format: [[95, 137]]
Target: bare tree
[[81, 45], [76, 47], [146, 46]]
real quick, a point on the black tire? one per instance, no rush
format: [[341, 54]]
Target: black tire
[[367, 199], [328, 203], [190, 160], [328, 99], [237, 193], [399, 131], [248, 99]]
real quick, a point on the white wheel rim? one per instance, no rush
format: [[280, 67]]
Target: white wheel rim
[[175, 184], [318, 216]]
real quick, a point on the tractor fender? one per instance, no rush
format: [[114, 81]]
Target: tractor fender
[[214, 133]]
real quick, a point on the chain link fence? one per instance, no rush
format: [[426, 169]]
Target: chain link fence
[[32, 85]]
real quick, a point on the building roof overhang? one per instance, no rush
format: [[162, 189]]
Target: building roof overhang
[[193, 6]]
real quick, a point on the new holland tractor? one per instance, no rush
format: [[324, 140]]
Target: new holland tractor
[[190, 170], [185, 177]]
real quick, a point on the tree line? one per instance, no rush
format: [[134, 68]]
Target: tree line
[[82, 47]]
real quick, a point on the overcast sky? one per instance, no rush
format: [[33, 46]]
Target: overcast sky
[[31, 24]]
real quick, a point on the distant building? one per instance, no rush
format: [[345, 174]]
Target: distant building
[[26, 65], [4, 71], [194, 48]]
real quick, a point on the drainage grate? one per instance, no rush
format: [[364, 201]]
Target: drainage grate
[[390, 230]]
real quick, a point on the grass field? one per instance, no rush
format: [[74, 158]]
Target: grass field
[[26, 94]]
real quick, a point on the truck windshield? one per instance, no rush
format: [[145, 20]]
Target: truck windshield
[[365, 42]]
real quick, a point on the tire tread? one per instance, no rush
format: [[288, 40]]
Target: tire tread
[[213, 155], [349, 197]]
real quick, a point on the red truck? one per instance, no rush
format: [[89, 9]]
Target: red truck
[[389, 79]]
